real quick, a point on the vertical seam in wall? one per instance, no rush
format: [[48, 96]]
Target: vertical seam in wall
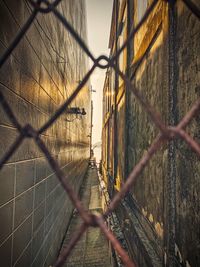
[[33, 207], [171, 183], [45, 210], [127, 93], [13, 218], [18, 259], [115, 100], [45, 201]]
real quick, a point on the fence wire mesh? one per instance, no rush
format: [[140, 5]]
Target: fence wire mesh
[[166, 134]]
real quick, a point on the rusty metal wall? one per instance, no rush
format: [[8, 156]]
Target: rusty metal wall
[[187, 52], [41, 73], [151, 78], [161, 206]]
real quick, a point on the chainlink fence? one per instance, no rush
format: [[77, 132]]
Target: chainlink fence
[[166, 134]]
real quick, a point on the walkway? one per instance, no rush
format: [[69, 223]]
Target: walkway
[[92, 250]]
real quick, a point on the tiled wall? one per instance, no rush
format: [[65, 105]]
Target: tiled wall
[[41, 73]]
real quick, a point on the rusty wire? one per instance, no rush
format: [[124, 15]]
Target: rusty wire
[[166, 132]]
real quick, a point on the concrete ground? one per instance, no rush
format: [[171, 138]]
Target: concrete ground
[[92, 250]]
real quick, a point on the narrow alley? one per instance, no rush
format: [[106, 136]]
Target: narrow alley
[[107, 83], [92, 249]]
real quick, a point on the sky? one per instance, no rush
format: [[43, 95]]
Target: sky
[[99, 14]]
